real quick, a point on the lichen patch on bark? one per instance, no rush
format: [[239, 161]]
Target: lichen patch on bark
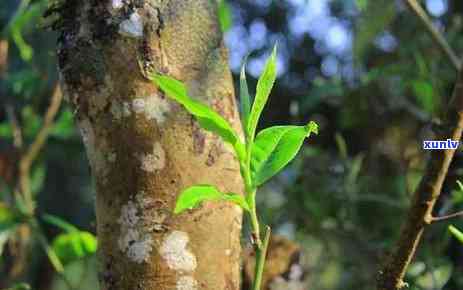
[[154, 160], [187, 283], [132, 27], [153, 107], [135, 238], [120, 110], [117, 4], [174, 251]]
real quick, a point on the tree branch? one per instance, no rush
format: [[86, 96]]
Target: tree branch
[[434, 33], [33, 150], [420, 214], [447, 217]]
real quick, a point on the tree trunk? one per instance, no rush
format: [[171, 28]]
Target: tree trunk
[[144, 149]]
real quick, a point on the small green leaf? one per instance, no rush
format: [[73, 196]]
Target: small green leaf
[[275, 147], [424, 94], [20, 286], [193, 196], [60, 223], [264, 86], [460, 185], [225, 15], [9, 218], [457, 233], [74, 245], [207, 118], [245, 100]]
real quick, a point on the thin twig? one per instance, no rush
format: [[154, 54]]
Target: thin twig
[[3, 57], [15, 128], [34, 149], [435, 34], [447, 217], [420, 214]]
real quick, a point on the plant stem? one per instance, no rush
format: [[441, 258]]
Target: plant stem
[[437, 36], [261, 254], [254, 220]]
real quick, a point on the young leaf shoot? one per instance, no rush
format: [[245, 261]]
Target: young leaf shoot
[[261, 157]]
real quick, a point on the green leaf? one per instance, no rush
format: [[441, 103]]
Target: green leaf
[[264, 86], [60, 223], [225, 15], [424, 93], [457, 233], [193, 196], [361, 4], [460, 185], [19, 286], [64, 126], [8, 222], [8, 218], [275, 147], [207, 118], [245, 100], [74, 245], [25, 15]]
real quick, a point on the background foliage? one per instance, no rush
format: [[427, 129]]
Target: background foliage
[[365, 70]]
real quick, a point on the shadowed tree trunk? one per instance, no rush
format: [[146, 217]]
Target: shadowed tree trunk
[[143, 148]]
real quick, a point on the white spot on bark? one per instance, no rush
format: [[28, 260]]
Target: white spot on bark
[[227, 252], [117, 4], [120, 110], [153, 107], [86, 131], [175, 253], [155, 160], [132, 27], [138, 105], [134, 240], [187, 283]]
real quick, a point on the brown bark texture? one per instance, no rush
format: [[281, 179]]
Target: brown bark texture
[[143, 148]]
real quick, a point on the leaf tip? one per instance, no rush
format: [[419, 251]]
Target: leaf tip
[[311, 127]]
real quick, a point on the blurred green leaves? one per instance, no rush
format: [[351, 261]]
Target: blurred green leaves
[[19, 286], [376, 16], [72, 244], [424, 93], [27, 13], [225, 15], [456, 233]]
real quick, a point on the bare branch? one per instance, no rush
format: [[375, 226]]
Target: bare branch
[[420, 214], [435, 34], [3, 57], [447, 217], [16, 129], [34, 149]]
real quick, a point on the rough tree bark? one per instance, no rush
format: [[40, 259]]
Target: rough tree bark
[[143, 148]]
